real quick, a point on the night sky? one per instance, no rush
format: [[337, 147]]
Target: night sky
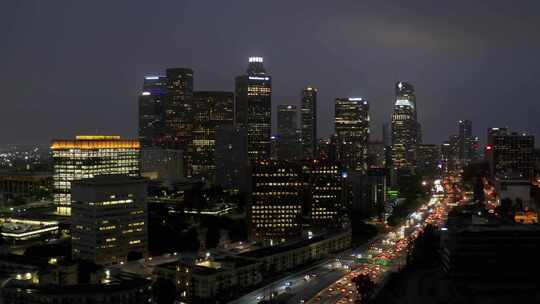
[[70, 67]]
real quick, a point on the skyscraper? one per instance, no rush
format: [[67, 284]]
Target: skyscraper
[[450, 155], [287, 135], [233, 171], [279, 192], [178, 112], [308, 121], [254, 108], [465, 142], [326, 194], [152, 111], [352, 130], [210, 111], [428, 159], [405, 128], [89, 156], [109, 219]]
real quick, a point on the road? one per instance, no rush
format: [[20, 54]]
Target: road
[[306, 283], [384, 256]]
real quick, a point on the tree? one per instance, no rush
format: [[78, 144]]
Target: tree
[[164, 291], [365, 287]]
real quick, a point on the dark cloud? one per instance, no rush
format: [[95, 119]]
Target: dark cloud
[[76, 66]]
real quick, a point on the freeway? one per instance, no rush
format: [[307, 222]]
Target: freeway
[[304, 284], [385, 255]]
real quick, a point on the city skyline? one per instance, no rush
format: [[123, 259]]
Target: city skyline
[[366, 64]]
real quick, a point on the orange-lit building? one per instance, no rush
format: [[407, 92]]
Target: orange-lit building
[[87, 156]]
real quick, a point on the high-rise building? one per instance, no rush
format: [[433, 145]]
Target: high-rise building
[[152, 102], [429, 159], [510, 153], [326, 194], [288, 145], [254, 108], [233, 171], [211, 110], [89, 156], [377, 192], [376, 154], [405, 128], [386, 134], [109, 219], [352, 130], [308, 120], [466, 141], [450, 155], [327, 148], [163, 165], [178, 112], [277, 203]]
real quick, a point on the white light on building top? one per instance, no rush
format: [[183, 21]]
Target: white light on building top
[[151, 77], [355, 99], [404, 102], [146, 94], [258, 78], [255, 59]]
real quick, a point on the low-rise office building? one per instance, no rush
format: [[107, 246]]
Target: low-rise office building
[[109, 218], [485, 252]]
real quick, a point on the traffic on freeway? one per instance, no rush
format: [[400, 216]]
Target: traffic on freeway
[[387, 254]]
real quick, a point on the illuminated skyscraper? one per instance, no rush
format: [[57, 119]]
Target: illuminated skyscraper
[[254, 108], [466, 141], [178, 112], [210, 111], [152, 111], [405, 128], [109, 219], [89, 156], [352, 130], [279, 193], [287, 137], [326, 194], [308, 121]]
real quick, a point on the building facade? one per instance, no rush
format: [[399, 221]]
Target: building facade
[[429, 158], [288, 145], [277, 202], [152, 101], [466, 141], [405, 128], [178, 113], [89, 156], [164, 165], [326, 200], [352, 130], [233, 169], [254, 108], [109, 219], [510, 153], [308, 121], [211, 110]]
